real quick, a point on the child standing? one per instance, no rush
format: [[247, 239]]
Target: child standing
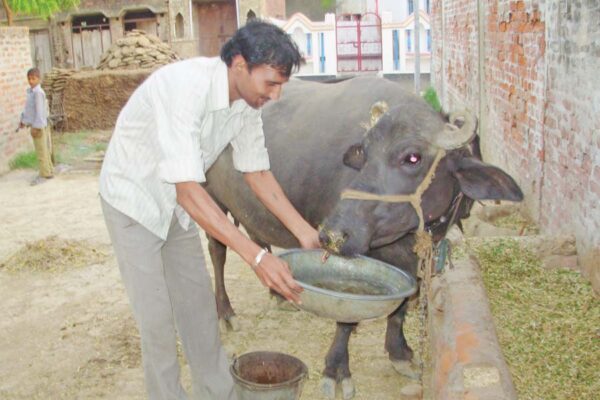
[[35, 116]]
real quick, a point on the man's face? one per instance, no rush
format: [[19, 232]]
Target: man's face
[[33, 80], [260, 85]]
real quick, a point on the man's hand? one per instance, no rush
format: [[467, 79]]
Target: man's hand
[[272, 271], [275, 274], [310, 240]]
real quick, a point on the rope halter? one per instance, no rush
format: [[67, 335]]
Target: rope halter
[[424, 242]]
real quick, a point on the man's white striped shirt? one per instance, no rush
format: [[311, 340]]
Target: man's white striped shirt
[[172, 130]]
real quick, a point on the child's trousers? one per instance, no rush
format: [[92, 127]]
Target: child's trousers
[[42, 142]]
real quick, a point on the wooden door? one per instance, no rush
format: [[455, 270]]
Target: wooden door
[[217, 22], [89, 45], [41, 54]]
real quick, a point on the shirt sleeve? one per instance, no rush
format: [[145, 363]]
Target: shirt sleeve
[[177, 109], [39, 119], [249, 151]]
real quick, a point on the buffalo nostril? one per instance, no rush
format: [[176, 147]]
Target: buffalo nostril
[[324, 238], [332, 240]]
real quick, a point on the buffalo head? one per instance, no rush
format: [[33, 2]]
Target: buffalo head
[[401, 148]]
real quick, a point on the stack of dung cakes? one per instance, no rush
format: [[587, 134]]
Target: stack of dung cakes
[[54, 81], [137, 50]]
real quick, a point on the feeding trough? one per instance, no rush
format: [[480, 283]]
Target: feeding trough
[[268, 375], [348, 289]]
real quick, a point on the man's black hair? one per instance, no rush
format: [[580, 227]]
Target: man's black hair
[[260, 42], [34, 72]]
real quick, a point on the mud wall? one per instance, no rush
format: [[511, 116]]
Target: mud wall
[[93, 100]]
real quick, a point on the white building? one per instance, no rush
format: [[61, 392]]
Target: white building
[[366, 35]]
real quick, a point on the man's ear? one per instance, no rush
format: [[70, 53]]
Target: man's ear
[[355, 156], [238, 62]]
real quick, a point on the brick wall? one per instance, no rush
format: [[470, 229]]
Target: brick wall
[[538, 100], [15, 60]]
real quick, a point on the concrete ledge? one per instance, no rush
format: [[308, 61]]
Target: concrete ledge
[[467, 362]]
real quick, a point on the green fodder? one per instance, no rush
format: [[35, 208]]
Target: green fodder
[[516, 221], [25, 160], [431, 97], [53, 254], [548, 323]]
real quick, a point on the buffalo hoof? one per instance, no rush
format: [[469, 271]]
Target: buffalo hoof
[[230, 323], [328, 387], [407, 369], [348, 389]]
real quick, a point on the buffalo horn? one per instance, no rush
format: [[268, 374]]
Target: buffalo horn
[[377, 110], [459, 131]]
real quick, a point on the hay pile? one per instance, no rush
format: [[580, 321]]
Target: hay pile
[[137, 50], [53, 254]]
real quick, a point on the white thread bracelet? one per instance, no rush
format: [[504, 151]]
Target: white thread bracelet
[[259, 257]]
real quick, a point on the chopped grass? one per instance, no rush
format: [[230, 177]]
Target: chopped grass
[[548, 323], [25, 160], [53, 254], [518, 222]]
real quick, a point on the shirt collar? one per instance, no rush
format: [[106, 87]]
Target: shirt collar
[[219, 88], [32, 89]]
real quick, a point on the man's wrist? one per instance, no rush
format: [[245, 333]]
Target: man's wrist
[[259, 257]]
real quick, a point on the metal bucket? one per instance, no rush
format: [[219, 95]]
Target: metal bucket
[[268, 375]]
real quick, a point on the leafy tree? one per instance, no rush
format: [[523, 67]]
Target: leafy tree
[[41, 8], [327, 4]]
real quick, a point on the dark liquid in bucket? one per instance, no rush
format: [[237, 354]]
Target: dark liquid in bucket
[[268, 372], [353, 287]]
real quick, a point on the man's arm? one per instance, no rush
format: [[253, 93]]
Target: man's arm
[[269, 192], [272, 271]]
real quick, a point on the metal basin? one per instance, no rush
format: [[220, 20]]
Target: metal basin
[[348, 289]]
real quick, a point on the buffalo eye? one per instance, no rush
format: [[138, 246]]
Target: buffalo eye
[[411, 159]]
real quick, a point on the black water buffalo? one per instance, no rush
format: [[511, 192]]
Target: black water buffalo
[[311, 133]]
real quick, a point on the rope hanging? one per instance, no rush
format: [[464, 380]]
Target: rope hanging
[[424, 243]]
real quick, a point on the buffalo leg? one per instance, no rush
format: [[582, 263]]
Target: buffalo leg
[[399, 352], [337, 363], [401, 255], [218, 255]]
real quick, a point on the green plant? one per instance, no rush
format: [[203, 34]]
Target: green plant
[[73, 147], [430, 96], [26, 160], [41, 8], [327, 4]]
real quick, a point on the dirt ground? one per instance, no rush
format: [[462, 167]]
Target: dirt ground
[[70, 335]]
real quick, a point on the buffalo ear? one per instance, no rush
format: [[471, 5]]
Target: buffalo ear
[[481, 181], [355, 156]]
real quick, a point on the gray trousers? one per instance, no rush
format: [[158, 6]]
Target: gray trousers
[[170, 292]]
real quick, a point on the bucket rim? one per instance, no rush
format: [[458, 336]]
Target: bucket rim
[[266, 386]]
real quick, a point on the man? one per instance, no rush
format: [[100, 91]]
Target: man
[[35, 116], [168, 134]]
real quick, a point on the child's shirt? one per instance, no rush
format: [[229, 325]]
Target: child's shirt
[[36, 113]]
